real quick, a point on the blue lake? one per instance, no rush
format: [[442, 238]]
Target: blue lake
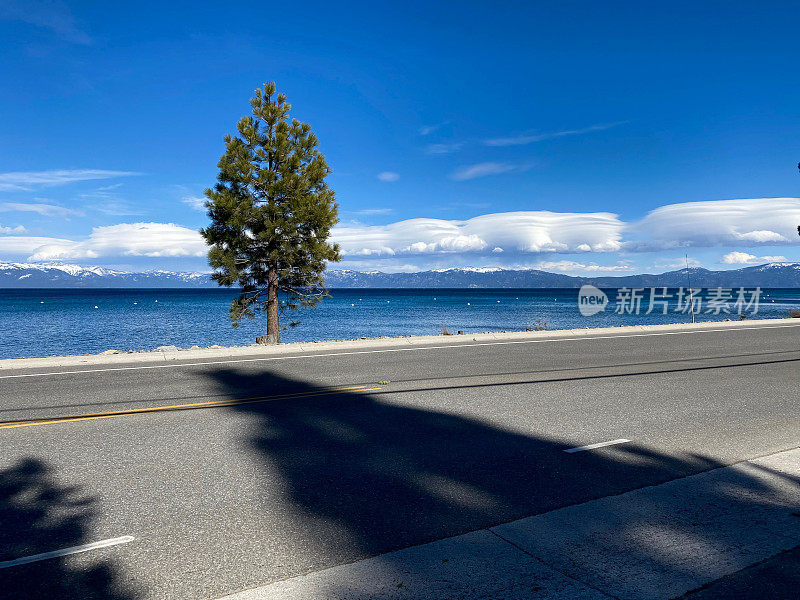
[[57, 322]]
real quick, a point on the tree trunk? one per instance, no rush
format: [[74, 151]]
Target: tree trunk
[[273, 327]]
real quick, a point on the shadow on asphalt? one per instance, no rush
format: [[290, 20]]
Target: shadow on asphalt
[[38, 514], [359, 475], [366, 475]]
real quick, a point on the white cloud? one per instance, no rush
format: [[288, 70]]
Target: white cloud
[[743, 258], [429, 129], [125, 239], [26, 180], [443, 148], [732, 224], [26, 245], [106, 200], [481, 170], [714, 223], [514, 232], [524, 139], [571, 266], [762, 236], [388, 176], [195, 202], [117, 208], [12, 230], [52, 15], [374, 211], [676, 263], [368, 265], [41, 208], [746, 222], [450, 243]]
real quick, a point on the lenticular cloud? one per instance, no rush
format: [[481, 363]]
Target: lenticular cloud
[[524, 231], [748, 222], [726, 223], [127, 239], [751, 222]]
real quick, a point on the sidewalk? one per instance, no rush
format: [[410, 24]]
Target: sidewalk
[[655, 543]]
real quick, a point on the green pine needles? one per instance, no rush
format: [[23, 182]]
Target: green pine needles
[[271, 214]]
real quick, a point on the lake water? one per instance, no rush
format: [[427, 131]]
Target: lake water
[[57, 322]]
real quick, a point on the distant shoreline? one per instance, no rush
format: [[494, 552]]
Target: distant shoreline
[[56, 276]]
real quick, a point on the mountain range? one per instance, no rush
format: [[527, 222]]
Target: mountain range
[[56, 275]]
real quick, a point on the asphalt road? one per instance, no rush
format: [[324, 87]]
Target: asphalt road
[[254, 471]]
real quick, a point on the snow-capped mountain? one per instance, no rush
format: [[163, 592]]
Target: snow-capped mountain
[[56, 275], [469, 269], [769, 275]]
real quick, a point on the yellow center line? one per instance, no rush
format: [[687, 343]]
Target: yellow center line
[[173, 407]]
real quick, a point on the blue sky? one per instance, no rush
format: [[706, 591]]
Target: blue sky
[[581, 137]]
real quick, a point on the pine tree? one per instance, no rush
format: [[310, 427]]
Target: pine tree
[[271, 214]]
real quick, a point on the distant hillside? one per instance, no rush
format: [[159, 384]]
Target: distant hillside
[[451, 278], [54, 275], [770, 275]]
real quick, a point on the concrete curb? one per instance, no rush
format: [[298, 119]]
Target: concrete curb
[[370, 344]]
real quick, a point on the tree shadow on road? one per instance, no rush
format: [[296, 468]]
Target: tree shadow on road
[[37, 515], [368, 474]]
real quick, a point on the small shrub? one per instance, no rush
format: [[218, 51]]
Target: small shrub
[[539, 325]]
